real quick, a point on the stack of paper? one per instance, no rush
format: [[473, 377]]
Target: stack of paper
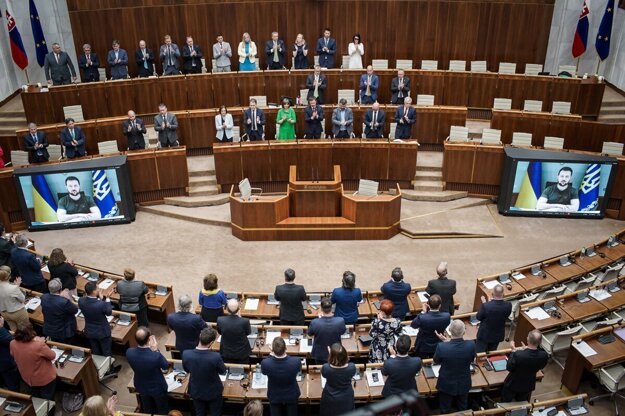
[[374, 378], [105, 284], [490, 284], [259, 381], [410, 331], [584, 348], [271, 335], [251, 303], [537, 313], [422, 297], [599, 294], [172, 384]]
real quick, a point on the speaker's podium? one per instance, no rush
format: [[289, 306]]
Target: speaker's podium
[[315, 210]]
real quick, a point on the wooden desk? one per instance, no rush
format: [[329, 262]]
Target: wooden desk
[[83, 374], [580, 311], [478, 381], [525, 324], [511, 290], [24, 399], [361, 387], [562, 273], [180, 393]]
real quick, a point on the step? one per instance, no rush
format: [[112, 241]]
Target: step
[[426, 168], [198, 201], [613, 103], [427, 185], [193, 173], [204, 190], [620, 110], [18, 114], [316, 221], [429, 175], [611, 118], [202, 180], [432, 196], [13, 122]]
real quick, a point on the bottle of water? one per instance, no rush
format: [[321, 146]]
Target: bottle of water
[[257, 373]]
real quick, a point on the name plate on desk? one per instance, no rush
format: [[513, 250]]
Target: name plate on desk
[[318, 187]]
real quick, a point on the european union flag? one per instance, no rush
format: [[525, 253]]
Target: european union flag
[[530, 187], [40, 41], [604, 34], [589, 189], [43, 201], [103, 195]]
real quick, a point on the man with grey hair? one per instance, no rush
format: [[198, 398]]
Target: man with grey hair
[[492, 315], [166, 125], [405, 117], [234, 346], [27, 266], [275, 51], [443, 287], [455, 356], [58, 66], [59, 320], [523, 364], [185, 324], [36, 143], [342, 121], [89, 63]]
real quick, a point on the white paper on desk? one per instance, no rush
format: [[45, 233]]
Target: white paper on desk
[[422, 297], [303, 345], [172, 384], [584, 348], [271, 335], [222, 377], [537, 313], [57, 352], [369, 374], [76, 359], [259, 381], [518, 276], [542, 412], [599, 294], [33, 303], [45, 269], [323, 382], [251, 303], [105, 284], [490, 284], [110, 318], [2, 400], [435, 369], [410, 331]]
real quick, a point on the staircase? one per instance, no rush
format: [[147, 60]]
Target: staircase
[[203, 188], [612, 110], [428, 182]]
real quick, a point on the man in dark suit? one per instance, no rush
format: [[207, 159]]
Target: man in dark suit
[[522, 366], [327, 330], [145, 60], [397, 291], [97, 328], [431, 321], [274, 49], [234, 346], [369, 84], [374, 122], [192, 57], [254, 119], [134, 129], [205, 366], [26, 265], [290, 297], [492, 315], [316, 84], [8, 369], [170, 53], [400, 369], [405, 117], [166, 125], [313, 115], [454, 378], [58, 67], [7, 244], [59, 320], [89, 63], [147, 364], [185, 324], [73, 138], [400, 87], [281, 370], [118, 61], [36, 143], [326, 48], [443, 287]]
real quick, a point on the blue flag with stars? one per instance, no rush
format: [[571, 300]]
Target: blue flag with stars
[[604, 34], [40, 41]]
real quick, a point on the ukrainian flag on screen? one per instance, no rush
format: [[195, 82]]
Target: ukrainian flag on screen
[[103, 195], [43, 201], [530, 187], [589, 188]]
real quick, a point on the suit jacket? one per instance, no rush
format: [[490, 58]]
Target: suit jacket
[[149, 59], [6, 246], [219, 122], [373, 88], [6, 359], [166, 134], [95, 312], [493, 316], [313, 124], [66, 139], [252, 51], [189, 60], [170, 59], [446, 289], [397, 292], [66, 273], [60, 73], [147, 365], [404, 130], [36, 155], [59, 321], [310, 84], [205, 366], [378, 131], [234, 343], [222, 60], [336, 121], [247, 114], [281, 52], [135, 135], [428, 324], [455, 358], [118, 70], [523, 366], [27, 266], [395, 99], [187, 327], [401, 372], [291, 297], [326, 59], [282, 384], [90, 72], [327, 331]]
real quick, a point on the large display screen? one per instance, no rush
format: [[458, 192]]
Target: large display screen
[[76, 194]]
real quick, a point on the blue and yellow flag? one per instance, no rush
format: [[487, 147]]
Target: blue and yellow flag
[[43, 201], [103, 195], [530, 187], [589, 188]]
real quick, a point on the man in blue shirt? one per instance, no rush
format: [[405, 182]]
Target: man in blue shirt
[[327, 330], [186, 324], [282, 388], [397, 291]]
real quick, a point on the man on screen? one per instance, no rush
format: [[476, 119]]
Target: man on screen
[[561, 196], [76, 206]]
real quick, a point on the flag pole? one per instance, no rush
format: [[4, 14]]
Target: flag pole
[[26, 73], [598, 66], [577, 66]]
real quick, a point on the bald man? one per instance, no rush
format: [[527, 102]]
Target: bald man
[[369, 83], [234, 346], [492, 315], [523, 364], [443, 287], [134, 129]]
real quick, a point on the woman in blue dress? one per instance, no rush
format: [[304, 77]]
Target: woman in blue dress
[[347, 299], [247, 54]]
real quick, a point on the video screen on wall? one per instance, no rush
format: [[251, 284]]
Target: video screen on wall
[[76, 194], [560, 184]]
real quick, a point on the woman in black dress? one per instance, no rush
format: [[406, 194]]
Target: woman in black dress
[[300, 53], [64, 270], [338, 394]]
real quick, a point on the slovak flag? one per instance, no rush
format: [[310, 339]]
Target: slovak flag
[[17, 47], [581, 33]]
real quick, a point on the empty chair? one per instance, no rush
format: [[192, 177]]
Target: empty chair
[[425, 100], [556, 143], [533, 105], [245, 189], [261, 100], [602, 324], [517, 306], [429, 65], [152, 136], [611, 273], [612, 149], [507, 68], [349, 95], [204, 69], [403, 64], [533, 69], [73, 111], [236, 134], [55, 151], [455, 65], [379, 63], [316, 59], [521, 139], [491, 136], [478, 66], [102, 72], [391, 134], [568, 68], [303, 94], [213, 65], [552, 293], [105, 148], [583, 283], [458, 134], [19, 158], [559, 339], [367, 188], [345, 62], [611, 378], [502, 104], [561, 107]]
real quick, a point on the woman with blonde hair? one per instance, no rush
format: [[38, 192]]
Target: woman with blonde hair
[[247, 54], [95, 406]]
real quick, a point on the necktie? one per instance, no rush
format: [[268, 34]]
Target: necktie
[[326, 40], [171, 61], [374, 119], [145, 59], [254, 120], [192, 60], [116, 55], [71, 132], [56, 56], [35, 138], [406, 109], [88, 59], [401, 86], [275, 52], [316, 91], [164, 119], [134, 125], [368, 93]]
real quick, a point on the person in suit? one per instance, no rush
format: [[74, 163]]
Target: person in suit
[[76, 206], [290, 297], [342, 121], [118, 61], [355, 51], [347, 298], [89, 63], [205, 367], [58, 67], [326, 330], [8, 369], [405, 117], [400, 368], [247, 52], [397, 291], [275, 51], [254, 119], [522, 366], [337, 397], [492, 315], [132, 297], [313, 115], [134, 129], [431, 321], [185, 324], [444, 287], [95, 311], [326, 48], [400, 87], [374, 122], [369, 83], [166, 125], [59, 320], [7, 243], [455, 357], [144, 58], [36, 143], [63, 269], [222, 52], [224, 125], [73, 139], [12, 300], [316, 84], [234, 346], [147, 363], [300, 52], [27, 266], [192, 57], [282, 388], [170, 53]]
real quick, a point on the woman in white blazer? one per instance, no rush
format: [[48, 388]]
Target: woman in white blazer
[[355, 50], [223, 125], [247, 54]]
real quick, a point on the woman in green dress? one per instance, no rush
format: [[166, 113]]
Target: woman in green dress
[[286, 120]]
